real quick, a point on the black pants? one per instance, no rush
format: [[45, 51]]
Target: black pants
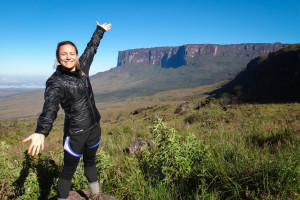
[[85, 144]]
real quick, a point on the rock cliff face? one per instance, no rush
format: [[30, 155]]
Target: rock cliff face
[[177, 56]]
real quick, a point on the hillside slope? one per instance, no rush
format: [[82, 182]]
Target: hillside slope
[[270, 78]]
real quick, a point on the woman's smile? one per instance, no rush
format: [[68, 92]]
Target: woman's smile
[[68, 57]]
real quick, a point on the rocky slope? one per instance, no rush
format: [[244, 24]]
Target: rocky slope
[[270, 78]]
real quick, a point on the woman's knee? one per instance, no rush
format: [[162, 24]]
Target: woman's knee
[[70, 165], [89, 156]]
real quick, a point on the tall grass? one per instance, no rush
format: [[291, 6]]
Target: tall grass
[[246, 151]]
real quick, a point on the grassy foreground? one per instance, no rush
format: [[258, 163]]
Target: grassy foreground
[[247, 151]]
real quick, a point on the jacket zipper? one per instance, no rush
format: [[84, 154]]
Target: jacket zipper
[[88, 96]]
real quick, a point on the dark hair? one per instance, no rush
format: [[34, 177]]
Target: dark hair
[[65, 43]]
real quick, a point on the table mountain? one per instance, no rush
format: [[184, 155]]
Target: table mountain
[[182, 55], [144, 72]]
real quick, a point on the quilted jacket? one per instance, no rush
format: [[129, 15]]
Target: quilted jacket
[[73, 91]]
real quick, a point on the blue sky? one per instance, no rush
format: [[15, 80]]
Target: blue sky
[[31, 29]]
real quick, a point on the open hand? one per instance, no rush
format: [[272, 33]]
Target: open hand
[[37, 143], [105, 26]]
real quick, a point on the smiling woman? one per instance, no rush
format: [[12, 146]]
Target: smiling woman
[[70, 87]]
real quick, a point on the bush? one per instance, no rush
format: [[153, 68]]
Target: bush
[[182, 163], [127, 129], [210, 101]]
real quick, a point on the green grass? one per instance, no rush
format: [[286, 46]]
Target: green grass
[[249, 151]]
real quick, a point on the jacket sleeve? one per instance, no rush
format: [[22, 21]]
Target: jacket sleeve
[[53, 95], [87, 57]]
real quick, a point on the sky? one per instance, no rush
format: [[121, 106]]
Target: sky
[[31, 29]]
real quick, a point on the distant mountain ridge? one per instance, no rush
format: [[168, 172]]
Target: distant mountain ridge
[[182, 55]]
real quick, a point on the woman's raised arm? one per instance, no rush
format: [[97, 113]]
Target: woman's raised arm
[[87, 57]]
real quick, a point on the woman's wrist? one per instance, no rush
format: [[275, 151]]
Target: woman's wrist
[[100, 28]]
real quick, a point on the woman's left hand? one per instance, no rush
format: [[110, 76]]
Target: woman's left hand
[[105, 26], [37, 143]]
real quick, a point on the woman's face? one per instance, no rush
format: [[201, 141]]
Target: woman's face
[[68, 56]]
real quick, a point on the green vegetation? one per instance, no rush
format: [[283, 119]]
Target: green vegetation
[[241, 151]]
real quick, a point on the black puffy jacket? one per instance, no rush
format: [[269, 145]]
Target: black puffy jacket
[[73, 91]]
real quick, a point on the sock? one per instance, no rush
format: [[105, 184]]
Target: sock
[[94, 187]]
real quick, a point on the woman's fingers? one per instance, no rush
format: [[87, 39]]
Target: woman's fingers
[[37, 150], [30, 148], [33, 150], [26, 139], [105, 25]]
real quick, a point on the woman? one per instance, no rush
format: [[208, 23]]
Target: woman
[[70, 87]]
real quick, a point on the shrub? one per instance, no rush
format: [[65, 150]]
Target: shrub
[[210, 101], [127, 129], [182, 163]]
